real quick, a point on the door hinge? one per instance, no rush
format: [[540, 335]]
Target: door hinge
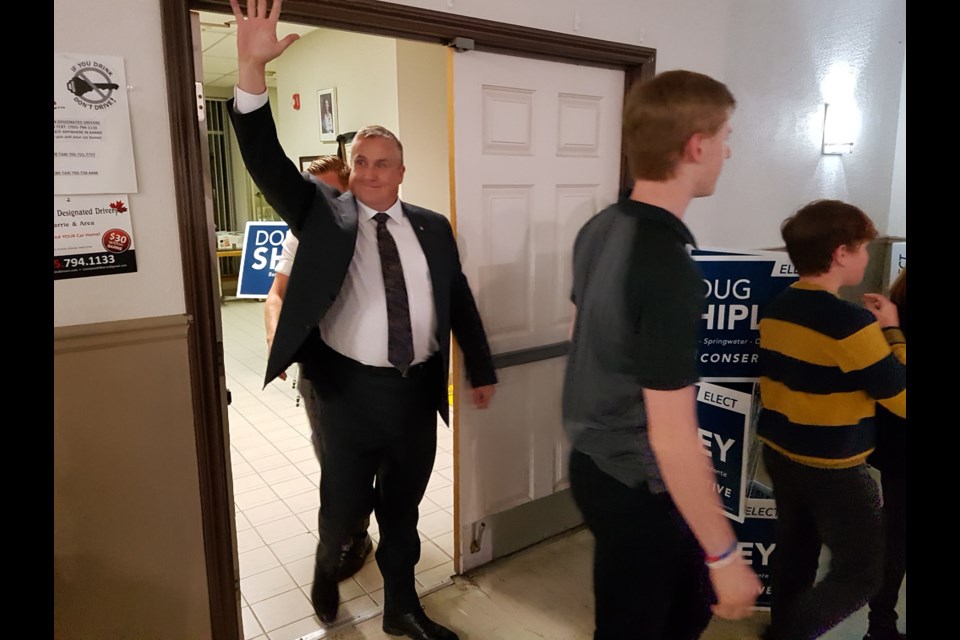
[[201, 106], [477, 537]]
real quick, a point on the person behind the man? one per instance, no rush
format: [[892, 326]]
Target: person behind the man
[[373, 294], [665, 554], [334, 172], [825, 363]]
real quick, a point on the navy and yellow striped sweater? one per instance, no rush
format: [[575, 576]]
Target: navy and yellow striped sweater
[[824, 364]]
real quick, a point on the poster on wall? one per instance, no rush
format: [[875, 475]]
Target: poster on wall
[[739, 285], [724, 414], [92, 236], [262, 248], [897, 261], [92, 140]]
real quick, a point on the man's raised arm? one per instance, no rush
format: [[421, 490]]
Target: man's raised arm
[[257, 43]]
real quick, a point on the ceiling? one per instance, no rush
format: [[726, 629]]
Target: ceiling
[[218, 39]]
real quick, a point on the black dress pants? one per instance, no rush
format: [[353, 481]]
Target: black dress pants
[[312, 407], [650, 580], [378, 441]]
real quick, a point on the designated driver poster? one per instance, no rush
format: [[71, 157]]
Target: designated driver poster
[[724, 415], [92, 236], [92, 139]]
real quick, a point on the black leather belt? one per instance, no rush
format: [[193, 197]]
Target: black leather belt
[[415, 371]]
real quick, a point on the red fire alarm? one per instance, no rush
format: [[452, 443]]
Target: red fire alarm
[[296, 102]]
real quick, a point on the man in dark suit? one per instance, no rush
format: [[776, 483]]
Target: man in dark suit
[[373, 295]]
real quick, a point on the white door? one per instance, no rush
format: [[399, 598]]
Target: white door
[[537, 153]]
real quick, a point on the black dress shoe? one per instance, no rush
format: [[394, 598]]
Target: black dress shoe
[[417, 626], [353, 556], [325, 597]]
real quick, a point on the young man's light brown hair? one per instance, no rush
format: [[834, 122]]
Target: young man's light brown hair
[[323, 164], [662, 113], [814, 232]]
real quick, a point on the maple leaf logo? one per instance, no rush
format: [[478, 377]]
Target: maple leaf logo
[[118, 206]]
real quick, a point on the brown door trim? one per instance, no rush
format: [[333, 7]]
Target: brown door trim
[[206, 358]]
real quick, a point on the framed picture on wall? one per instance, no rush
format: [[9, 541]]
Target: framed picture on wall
[[306, 160], [327, 106]]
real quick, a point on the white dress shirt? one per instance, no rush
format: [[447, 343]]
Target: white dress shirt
[[356, 323]]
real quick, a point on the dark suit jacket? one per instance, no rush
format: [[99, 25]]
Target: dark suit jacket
[[326, 226]]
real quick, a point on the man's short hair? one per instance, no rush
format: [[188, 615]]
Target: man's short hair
[[323, 164], [662, 113], [814, 232], [376, 131]]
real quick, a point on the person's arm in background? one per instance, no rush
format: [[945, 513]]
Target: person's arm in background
[[271, 310], [672, 429], [278, 290], [879, 353]]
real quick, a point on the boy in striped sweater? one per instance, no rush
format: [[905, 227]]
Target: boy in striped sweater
[[825, 363]]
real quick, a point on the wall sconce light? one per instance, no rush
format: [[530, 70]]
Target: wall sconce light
[[839, 129]]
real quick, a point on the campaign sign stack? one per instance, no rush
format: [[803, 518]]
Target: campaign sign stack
[[262, 248], [738, 286]]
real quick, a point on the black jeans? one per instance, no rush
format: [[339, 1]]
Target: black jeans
[[839, 508], [650, 580]]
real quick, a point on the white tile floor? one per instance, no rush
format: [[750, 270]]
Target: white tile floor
[[275, 479]]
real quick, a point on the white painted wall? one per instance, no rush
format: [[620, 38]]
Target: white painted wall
[[362, 68], [156, 289], [898, 190], [773, 56]]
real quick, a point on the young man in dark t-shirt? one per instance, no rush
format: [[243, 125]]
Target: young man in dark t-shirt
[[664, 551]]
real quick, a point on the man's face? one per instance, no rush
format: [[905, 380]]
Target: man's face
[[377, 172], [716, 150]]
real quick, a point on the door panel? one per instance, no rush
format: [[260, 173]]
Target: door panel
[[537, 153]]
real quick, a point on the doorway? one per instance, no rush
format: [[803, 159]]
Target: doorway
[[274, 470], [206, 345]]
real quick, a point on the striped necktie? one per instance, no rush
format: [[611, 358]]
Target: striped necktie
[[399, 332]]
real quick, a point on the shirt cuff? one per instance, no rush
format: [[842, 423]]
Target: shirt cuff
[[244, 102], [894, 335]]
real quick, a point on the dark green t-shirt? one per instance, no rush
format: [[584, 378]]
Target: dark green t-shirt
[[640, 298]]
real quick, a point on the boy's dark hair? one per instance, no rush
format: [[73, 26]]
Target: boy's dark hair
[[814, 232]]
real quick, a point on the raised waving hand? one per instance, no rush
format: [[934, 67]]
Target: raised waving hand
[[257, 42]]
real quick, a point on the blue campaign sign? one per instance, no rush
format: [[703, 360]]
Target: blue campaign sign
[[724, 414], [739, 284], [262, 247], [756, 543]]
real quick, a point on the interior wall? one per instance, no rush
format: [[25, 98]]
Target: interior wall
[[791, 59], [156, 288], [424, 124], [362, 68], [897, 226], [129, 556], [128, 553], [774, 57]]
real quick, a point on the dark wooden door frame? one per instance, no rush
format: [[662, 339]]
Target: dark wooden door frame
[[205, 351]]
